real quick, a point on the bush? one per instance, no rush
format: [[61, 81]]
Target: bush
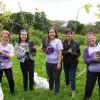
[[36, 40], [37, 33], [37, 36], [14, 38], [81, 39]]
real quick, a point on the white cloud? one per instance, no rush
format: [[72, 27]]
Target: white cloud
[[57, 9]]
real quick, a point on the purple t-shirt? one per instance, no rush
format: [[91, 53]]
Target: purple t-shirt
[[6, 62], [89, 54], [52, 51]]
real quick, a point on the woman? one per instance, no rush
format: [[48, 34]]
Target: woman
[[71, 52], [25, 51], [92, 59], [53, 51], [6, 54]]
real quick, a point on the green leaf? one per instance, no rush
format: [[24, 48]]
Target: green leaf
[[98, 6], [87, 7], [97, 15]]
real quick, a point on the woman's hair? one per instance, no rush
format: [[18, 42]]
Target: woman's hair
[[56, 35], [5, 32], [27, 40]]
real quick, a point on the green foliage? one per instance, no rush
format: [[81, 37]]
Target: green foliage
[[14, 38], [5, 20], [59, 25], [76, 26], [41, 22], [2, 6], [81, 39], [37, 33], [22, 20], [87, 7]]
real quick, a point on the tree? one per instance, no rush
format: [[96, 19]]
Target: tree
[[2, 7], [75, 26], [59, 25], [41, 22], [22, 20]]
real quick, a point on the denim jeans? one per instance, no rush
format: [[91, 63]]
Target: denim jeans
[[70, 73]]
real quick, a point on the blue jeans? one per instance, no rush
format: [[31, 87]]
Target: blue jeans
[[70, 73]]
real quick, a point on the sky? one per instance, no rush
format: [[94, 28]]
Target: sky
[[57, 9]]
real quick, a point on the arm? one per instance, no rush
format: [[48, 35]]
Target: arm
[[60, 48], [7, 54], [87, 58], [59, 59]]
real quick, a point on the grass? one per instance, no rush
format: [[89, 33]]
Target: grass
[[40, 94]]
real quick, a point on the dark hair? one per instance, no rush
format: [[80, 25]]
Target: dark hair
[[27, 40], [68, 30], [56, 35]]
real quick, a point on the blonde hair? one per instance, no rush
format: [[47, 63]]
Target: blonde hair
[[5, 32]]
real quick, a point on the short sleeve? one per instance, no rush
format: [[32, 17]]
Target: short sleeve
[[60, 45], [11, 49]]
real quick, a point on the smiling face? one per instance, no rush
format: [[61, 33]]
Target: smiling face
[[51, 34], [91, 40], [5, 37], [68, 36], [23, 36]]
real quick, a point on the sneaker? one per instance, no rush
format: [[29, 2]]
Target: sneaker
[[73, 93]]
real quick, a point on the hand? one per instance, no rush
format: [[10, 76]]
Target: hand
[[58, 66], [70, 50], [0, 51], [96, 58]]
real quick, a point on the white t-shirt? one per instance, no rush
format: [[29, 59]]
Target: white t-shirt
[[94, 49], [52, 51], [6, 62]]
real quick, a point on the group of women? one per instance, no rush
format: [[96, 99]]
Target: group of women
[[57, 52]]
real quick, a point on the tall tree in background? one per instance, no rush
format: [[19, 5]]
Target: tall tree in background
[[22, 20], [4, 17], [41, 22], [75, 26]]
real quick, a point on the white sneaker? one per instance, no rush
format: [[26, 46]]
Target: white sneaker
[[73, 93]]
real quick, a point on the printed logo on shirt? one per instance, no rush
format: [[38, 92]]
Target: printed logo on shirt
[[49, 50]]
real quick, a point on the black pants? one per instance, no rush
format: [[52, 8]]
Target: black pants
[[54, 76], [27, 69], [9, 75], [90, 83]]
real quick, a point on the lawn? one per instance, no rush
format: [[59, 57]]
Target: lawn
[[40, 94]]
